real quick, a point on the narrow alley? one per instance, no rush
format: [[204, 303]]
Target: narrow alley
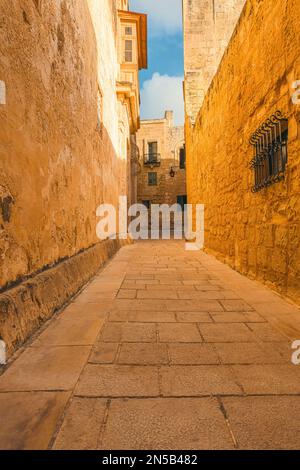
[[124, 123], [163, 349]]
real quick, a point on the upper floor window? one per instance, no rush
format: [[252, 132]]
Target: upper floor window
[[152, 149], [128, 30], [128, 50], [182, 158]]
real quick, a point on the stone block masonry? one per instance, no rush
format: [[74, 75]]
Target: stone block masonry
[[257, 234], [207, 28]]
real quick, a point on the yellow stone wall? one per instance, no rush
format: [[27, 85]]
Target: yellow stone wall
[[207, 28], [56, 164], [257, 234]]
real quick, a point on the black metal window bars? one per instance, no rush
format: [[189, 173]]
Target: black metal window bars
[[270, 152]]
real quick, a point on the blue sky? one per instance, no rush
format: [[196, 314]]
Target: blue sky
[[161, 84]]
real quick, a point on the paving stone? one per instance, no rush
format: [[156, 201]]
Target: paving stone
[[237, 317], [148, 282], [99, 286], [288, 324], [207, 295], [197, 353], [279, 307], [81, 426], [178, 333], [28, 419], [118, 381], [264, 423], [70, 330], [268, 379], [227, 332], [142, 317], [45, 368], [138, 277], [170, 282], [236, 306], [285, 350], [143, 354], [77, 310], [248, 353], [207, 287], [148, 304], [166, 424], [254, 294], [157, 294], [198, 283], [265, 332], [193, 306], [127, 294], [96, 297], [132, 285], [129, 332], [198, 381], [104, 353], [193, 317], [168, 288]]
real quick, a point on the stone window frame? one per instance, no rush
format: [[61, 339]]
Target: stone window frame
[[155, 182], [148, 141], [133, 39]]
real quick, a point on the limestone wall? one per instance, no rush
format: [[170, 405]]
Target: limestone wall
[[207, 28], [56, 163], [258, 234]]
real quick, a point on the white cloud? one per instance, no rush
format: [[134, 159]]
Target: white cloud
[[162, 93], [164, 16]]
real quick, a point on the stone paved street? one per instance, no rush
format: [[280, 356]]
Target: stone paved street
[[164, 349]]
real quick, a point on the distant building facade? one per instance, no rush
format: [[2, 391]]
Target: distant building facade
[[162, 174]]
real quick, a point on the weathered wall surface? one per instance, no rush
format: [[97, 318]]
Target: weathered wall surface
[[207, 28], [60, 152], [258, 234], [56, 167], [169, 139]]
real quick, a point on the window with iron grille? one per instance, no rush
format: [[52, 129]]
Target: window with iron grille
[[270, 152], [152, 179]]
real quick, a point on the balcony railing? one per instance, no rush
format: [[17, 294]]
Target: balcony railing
[[152, 159]]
